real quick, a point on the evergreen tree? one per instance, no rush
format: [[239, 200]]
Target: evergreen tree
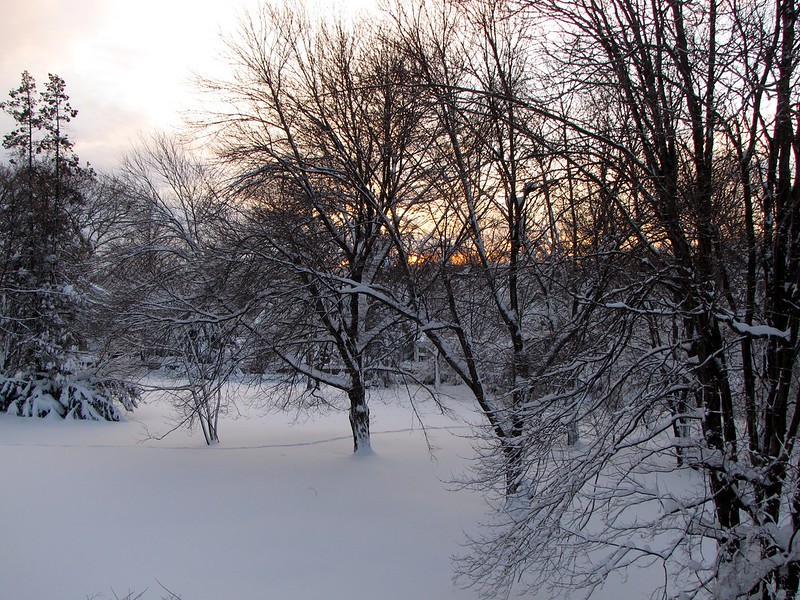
[[43, 285], [23, 107], [54, 114]]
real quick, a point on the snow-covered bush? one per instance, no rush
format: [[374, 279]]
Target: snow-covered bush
[[84, 395]]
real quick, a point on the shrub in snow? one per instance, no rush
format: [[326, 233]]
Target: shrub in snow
[[82, 395]]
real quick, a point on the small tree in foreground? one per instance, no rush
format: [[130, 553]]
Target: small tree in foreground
[[177, 296]]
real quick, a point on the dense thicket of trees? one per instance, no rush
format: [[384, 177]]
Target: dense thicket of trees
[[676, 126]]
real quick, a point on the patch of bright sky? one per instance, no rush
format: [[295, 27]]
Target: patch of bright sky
[[128, 65]]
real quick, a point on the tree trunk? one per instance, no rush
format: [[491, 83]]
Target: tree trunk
[[514, 454], [359, 419]]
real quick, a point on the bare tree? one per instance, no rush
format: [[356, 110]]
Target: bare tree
[[178, 304], [323, 133]]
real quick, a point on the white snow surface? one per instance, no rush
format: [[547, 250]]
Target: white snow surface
[[281, 509]]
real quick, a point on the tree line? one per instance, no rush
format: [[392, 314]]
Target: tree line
[[585, 212]]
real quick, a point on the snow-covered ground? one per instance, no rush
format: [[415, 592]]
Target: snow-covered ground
[[280, 509]]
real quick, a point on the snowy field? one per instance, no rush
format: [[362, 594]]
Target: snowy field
[[281, 509]]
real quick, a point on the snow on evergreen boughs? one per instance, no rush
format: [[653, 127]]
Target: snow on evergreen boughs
[[78, 396]]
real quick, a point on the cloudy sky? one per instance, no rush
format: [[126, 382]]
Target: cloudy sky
[[128, 64]]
